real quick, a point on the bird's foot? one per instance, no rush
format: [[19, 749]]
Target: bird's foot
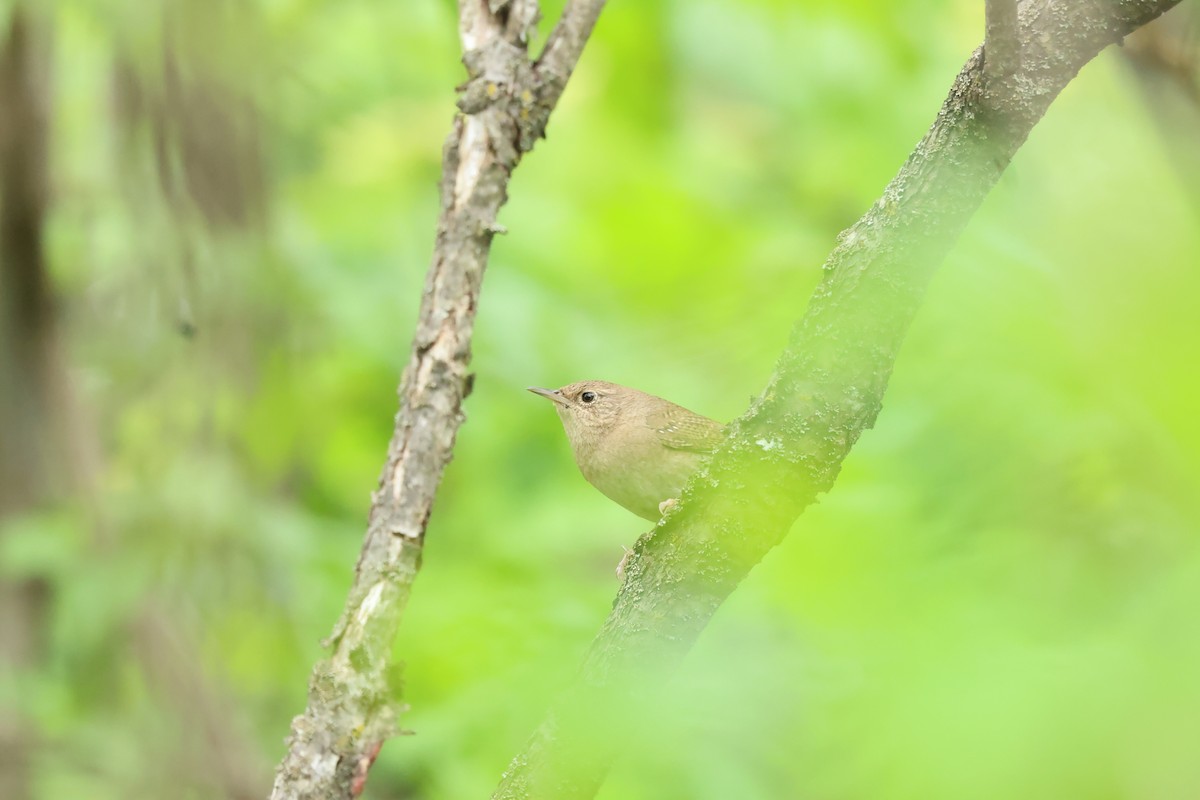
[[623, 563], [668, 505]]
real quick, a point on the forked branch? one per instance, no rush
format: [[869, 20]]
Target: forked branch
[[353, 694]]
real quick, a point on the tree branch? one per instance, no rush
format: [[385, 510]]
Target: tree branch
[[1166, 64], [566, 41], [1001, 44], [352, 706], [827, 389]]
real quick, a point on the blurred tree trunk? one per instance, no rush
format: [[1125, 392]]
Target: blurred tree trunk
[[47, 442], [30, 454]]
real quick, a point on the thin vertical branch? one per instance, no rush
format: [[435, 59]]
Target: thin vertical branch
[[505, 104]]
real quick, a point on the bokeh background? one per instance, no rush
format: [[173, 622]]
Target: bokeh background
[[999, 599]]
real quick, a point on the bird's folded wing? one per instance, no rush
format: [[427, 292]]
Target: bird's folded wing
[[680, 429]]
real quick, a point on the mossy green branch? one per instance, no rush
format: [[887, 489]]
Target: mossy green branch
[[827, 389]]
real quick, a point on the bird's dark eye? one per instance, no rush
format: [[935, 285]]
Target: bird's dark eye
[[588, 397]]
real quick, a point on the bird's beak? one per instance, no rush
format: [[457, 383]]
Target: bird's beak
[[550, 394]]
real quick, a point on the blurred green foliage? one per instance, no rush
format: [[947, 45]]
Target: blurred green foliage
[[998, 599]]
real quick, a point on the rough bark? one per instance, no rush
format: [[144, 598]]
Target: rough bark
[[1001, 43], [505, 104], [826, 390]]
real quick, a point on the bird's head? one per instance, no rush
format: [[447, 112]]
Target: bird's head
[[590, 410]]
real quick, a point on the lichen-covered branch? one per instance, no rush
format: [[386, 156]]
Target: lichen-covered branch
[[827, 389], [1001, 42], [353, 696]]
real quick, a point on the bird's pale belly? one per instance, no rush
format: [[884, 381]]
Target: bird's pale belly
[[640, 485]]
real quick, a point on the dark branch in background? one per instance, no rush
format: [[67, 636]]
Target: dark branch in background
[[827, 389], [31, 466], [352, 705], [1170, 46], [26, 305], [215, 757], [1165, 59], [186, 107]]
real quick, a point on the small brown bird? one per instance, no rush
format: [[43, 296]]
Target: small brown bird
[[636, 448]]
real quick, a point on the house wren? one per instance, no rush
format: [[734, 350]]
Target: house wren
[[636, 448]]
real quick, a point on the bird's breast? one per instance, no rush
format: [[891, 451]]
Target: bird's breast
[[639, 473]]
